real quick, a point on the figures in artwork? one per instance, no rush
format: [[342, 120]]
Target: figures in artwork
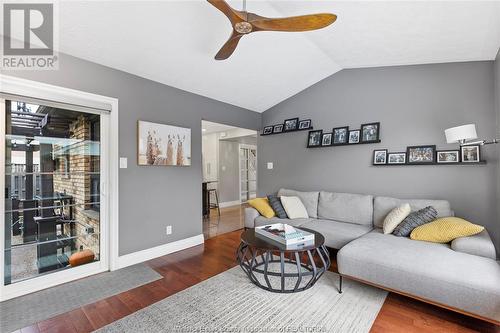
[[152, 147], [180, 150], [164, 145], [153, 151], [170, 150]]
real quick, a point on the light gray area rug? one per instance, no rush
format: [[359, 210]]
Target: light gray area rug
[[27, 310], [229, 302]]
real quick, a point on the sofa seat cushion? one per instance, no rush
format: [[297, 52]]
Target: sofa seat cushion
[[309, 199], [429, 270], [346, 207], [383, 206], [337, 234], [261, 220]]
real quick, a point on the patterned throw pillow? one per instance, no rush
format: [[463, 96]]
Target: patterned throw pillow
[[415, 219], [275, 202]]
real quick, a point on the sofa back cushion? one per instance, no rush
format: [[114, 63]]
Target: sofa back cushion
[[383, 205], [309, 199], [346, 207]]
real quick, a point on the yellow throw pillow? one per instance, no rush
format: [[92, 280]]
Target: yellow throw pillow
[[445, 229], [263, 206]]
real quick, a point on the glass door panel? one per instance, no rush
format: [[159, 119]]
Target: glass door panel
[[52, 177], [248, 173]]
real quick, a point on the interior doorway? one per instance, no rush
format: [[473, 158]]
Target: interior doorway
[[229, 162]]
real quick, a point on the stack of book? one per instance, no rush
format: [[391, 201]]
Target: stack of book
[[285, 234]]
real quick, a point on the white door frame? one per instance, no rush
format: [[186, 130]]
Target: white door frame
[[109, 182], [242, 145]]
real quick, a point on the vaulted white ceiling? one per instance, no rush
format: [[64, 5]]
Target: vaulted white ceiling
[[174, 42]]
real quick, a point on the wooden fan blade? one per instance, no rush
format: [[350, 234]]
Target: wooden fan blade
[[229, 47], [295, 23], [233, 15]]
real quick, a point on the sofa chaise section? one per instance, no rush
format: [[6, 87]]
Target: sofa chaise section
[[463, 276], [433, 272]]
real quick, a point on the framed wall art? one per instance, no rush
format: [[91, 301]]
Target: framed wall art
[[160, 144], [370, 132], [421, 154]]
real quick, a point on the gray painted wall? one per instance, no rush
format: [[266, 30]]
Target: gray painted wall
[[414, 105], [150, 197]]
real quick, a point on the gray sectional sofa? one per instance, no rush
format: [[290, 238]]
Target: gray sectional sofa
[[463, 276]]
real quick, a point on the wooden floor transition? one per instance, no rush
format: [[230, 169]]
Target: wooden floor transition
[[186, 268]]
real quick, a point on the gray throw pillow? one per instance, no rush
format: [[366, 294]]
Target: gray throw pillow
[[275, 203], [415, 219]]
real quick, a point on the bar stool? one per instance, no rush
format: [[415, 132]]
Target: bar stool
[[216, 204]]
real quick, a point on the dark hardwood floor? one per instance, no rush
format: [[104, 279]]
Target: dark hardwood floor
[[186, 268]]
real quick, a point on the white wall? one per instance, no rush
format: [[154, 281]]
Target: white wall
[[210, 156]]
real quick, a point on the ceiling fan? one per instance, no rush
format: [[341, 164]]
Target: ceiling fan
[[244, 23]]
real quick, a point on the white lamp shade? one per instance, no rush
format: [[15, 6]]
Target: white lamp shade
[[459, 133]]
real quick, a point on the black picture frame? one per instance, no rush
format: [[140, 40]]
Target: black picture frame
[[398, 162], [278, 128], [291, 124], [410, 152], [467, 159], [304, 121], [369, 136], [375, 158], [358, 137], [326, 136], [318, 136], [441, 160], [267, 130], [344, 131]]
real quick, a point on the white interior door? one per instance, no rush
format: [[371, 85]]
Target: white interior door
[[248, 172], [55, 172]]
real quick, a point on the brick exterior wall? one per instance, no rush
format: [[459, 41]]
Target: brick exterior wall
[[77, 183]]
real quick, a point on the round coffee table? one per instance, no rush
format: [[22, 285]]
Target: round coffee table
[[296, 268]]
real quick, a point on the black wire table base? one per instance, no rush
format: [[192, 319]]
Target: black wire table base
[[302, 268]]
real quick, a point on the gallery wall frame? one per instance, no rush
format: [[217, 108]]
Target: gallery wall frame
[[288, 126], [368, 133], [447, 157]]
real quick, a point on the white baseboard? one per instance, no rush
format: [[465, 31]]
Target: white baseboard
[[229, 203], [158, 251]]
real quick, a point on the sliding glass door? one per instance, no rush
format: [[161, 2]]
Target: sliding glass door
[[53, 219]]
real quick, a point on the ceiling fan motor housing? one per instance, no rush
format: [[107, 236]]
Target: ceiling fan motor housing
[[243, 27]]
